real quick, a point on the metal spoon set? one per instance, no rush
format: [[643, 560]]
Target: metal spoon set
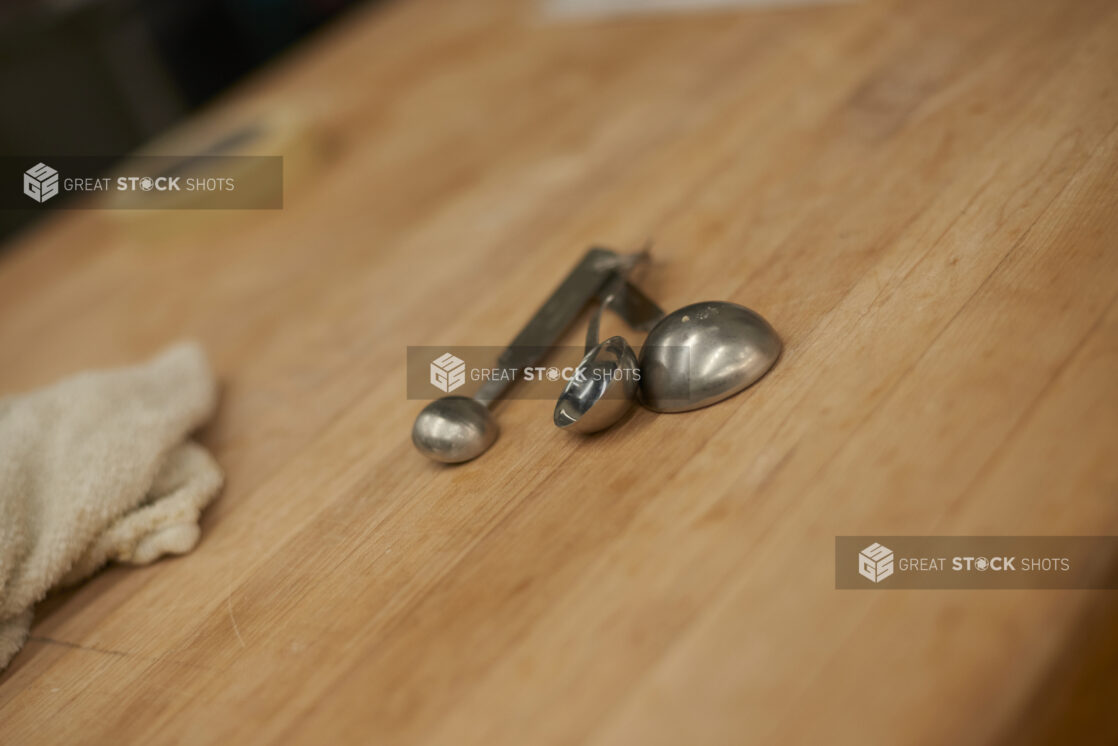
[[696, 356]]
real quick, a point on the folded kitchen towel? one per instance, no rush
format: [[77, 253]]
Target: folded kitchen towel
[[98, 467]]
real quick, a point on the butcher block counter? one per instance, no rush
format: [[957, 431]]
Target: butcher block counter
[[922, 198]]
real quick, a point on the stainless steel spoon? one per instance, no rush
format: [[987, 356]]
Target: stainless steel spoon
[[604, 385], [704, 353], [459, 428]]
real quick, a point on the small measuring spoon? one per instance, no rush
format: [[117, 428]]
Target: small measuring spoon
[[604, 385]]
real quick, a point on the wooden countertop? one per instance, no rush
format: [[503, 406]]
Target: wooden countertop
[[921, 197]]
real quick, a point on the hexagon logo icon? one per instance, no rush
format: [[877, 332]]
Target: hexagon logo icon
[[448, 372], [875, 562], [40, 182]]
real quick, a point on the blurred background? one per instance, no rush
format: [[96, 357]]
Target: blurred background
[[101, 77]]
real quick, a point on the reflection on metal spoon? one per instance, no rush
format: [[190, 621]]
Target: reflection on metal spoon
[[604, 385], [454, 429], [704, 353]]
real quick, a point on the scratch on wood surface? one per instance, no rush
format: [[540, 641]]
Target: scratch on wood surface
[[78, 646], [233, 619], [115, 653]]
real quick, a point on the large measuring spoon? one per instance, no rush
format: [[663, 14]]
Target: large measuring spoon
[[459, 428], [704, 353]]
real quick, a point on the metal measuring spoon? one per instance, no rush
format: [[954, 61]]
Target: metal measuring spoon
[[604, 385], [704, 353], [459, 428]]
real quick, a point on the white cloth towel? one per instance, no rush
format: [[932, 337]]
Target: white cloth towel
[[98, 467]]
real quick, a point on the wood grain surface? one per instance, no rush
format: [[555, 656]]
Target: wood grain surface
[[921, 197]]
